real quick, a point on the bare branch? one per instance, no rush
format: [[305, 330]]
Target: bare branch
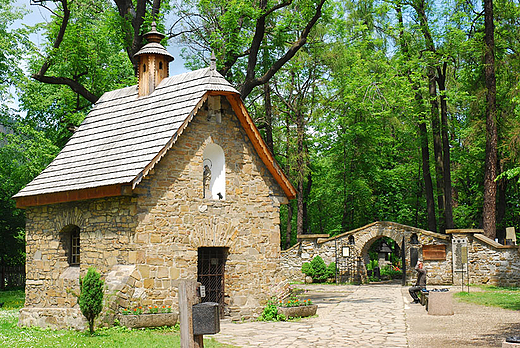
[[74, 85], [248, 85]]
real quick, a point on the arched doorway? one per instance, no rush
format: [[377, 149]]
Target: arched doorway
[[383, 259]]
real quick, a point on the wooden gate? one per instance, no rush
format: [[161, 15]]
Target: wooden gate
[[210, 273]]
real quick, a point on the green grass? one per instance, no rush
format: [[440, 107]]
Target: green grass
[[504, 297], [13, 336], [12, 299]]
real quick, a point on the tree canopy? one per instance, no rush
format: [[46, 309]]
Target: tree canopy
[[402, 110]]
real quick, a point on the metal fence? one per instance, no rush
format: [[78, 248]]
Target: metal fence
[[12, 277]]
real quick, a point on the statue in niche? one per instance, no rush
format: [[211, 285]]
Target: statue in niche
[[206, 179]]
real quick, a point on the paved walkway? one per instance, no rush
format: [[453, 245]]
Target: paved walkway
[[348, 316]]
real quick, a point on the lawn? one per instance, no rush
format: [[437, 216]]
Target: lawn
[[13, 336], [504, 297]]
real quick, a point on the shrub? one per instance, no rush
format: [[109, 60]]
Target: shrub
[[91, 296], [270, 312], [391, 272], [372, 264], [331, 270], [317, 270]]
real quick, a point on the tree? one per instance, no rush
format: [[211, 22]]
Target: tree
[[82, 57], [24, 153], [238, 31], [91, 296], [490, 186]]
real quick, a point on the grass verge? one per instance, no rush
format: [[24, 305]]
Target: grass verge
[[13, 336], [504, 297]]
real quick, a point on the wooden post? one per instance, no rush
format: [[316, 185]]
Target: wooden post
[[187, 298]]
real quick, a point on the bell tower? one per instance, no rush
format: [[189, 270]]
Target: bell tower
[[153, 62]]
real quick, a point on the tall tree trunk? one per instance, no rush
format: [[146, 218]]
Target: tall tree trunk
[[427, 178], [306, 194], [423, 135], [288, 168], [344, 216], [420, 8], [268, 117], [490, 174], [300, 169], [448, 201], [501, 209]]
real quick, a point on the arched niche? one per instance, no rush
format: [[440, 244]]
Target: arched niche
[[214, 172]]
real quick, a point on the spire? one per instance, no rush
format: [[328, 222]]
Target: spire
[[153, 61]]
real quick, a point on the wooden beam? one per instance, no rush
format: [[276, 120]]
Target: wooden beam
[[465, 230], [312, 236], [75, 195]]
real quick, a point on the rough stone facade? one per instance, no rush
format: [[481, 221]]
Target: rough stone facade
[[489, 262], [144, 243]]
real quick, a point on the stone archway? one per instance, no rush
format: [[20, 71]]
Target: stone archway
[[358, 242], [410, 239]]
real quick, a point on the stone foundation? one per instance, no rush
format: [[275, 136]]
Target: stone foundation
[[55, 318]]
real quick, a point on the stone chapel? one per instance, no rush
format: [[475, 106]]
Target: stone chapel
[[163, 181]]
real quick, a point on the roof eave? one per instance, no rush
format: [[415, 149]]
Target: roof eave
[[73, 195]]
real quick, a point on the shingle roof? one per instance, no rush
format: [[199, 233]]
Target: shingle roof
[[123, 134]]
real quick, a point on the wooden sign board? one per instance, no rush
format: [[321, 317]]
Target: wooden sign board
[[434, 252]]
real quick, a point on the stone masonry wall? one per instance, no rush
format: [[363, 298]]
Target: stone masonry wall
[[439, 272], [489, 262], [143, 244]]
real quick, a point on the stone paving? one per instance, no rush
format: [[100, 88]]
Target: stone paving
[[348, 316]]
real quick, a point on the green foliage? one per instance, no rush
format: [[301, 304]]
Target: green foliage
[[92, 53], [12, 299], [372, 264], [331, 270], [24, 153], [318, 270], [270, 312], [390, 272], [91, 296]]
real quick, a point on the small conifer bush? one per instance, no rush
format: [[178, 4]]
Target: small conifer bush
[[91, 296], [318, 270]]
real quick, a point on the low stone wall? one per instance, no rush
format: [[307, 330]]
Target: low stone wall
[[488, 262]]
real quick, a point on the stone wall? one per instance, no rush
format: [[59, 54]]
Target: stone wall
[[143, 244], [439, 272], [489, 262]]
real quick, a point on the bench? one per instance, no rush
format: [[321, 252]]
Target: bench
[[424, 298]]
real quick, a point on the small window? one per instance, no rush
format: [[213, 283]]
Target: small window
[[160, 65], [144, 67], [74, 247]]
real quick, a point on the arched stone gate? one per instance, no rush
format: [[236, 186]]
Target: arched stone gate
[[350, 252], [487, 262]]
